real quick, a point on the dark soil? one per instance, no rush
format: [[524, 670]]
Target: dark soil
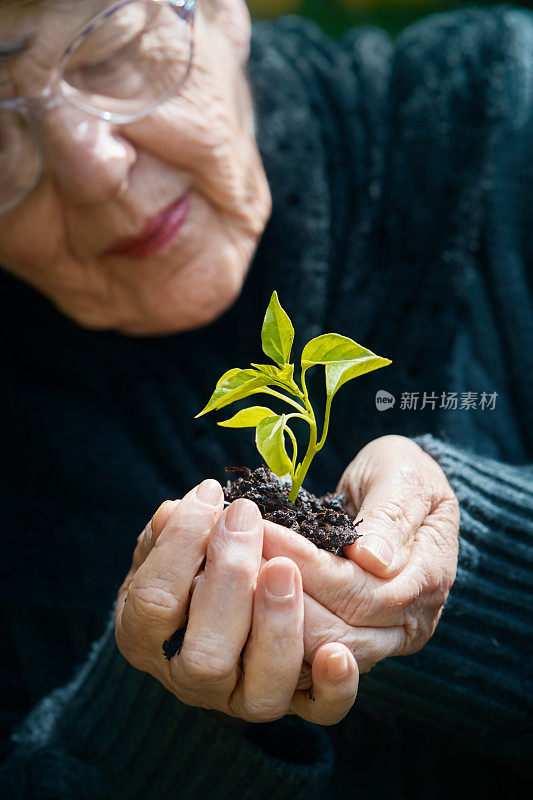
[[322, 520]]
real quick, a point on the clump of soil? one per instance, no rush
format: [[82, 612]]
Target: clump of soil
[[322, 520]]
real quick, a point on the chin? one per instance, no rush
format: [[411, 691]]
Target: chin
[[184, 304]]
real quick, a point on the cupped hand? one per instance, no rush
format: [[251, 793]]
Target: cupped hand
[[199, 565], [386, 597]]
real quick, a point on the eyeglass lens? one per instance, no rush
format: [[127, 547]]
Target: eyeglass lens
[[120, 66]]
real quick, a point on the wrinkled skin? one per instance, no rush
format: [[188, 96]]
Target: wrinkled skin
[[104, 182], [383, 600], [239, 605], [386, 598]]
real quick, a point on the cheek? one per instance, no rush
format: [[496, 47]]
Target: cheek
[[206, 129], [190, 132], [32, 235]]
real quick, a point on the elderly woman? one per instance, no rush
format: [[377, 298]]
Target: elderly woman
[[143, 149]]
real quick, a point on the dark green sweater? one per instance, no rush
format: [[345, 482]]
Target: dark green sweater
[[402, 187]]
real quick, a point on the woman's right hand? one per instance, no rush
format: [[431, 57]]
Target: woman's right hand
[[243, 648]]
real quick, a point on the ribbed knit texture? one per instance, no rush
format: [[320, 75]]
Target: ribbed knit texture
[[402, 204], [476, 677], [115, 732]]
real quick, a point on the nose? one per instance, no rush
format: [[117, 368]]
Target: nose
[[89, 160]]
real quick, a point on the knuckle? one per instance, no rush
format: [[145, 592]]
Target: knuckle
[[204, 664], [420, 622], [451, 510], [439, 532], [443, 523], [154, 604], [263, 710], [440, 590], [237, 567], [417, 635], [412, 480], [411, 628], [435, 580], [389, 512]]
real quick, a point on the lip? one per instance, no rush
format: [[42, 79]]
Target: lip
[[156, 234]]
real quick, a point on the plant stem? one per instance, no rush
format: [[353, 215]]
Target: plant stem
[[320, 445], [305, 417], [306, 463], [294, 448], [311, 449]]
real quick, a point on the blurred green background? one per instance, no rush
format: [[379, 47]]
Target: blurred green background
[[335, 16]]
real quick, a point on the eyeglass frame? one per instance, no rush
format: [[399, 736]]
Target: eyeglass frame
[[52, 95]]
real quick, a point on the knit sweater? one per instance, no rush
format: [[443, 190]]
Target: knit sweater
[[401, 194]]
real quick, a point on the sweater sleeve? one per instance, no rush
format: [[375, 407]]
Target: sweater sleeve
[[474, 677], [116, 732]]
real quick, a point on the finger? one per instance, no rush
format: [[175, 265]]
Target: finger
[[145, 541], [154, 528], [274, 652], [158, 595], [368, 644], [335, 684], [392, 484], [337, 583], [351, 594], [220, 614], [159, 520], [394, 507]]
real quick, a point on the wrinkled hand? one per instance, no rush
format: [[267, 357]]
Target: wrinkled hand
[[386, 597], [243, 647]]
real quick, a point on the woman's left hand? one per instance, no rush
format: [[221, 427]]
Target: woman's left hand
[[386, 597]]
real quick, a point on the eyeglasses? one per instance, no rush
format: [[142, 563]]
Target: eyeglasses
[[125, 62]]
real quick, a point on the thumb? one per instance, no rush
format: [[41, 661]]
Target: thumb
[[391, 513]]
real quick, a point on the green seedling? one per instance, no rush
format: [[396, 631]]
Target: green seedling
[[343, 360]]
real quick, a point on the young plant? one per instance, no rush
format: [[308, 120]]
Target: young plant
[[343, 360]]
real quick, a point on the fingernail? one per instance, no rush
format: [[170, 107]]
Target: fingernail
[[149, 532], [209, 492], [337, 666], [280, 579], [150, 528], [241, 515], [378, 547]]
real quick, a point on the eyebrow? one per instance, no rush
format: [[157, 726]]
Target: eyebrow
[[9, 50]]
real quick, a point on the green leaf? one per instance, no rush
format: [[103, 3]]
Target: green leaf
[[228, 374], [339, 373], [343, 358], [277, 334], [248, 417], [332, 347], [234, 385], [270, 441]]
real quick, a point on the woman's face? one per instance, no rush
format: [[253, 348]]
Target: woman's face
[[148, 227]]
